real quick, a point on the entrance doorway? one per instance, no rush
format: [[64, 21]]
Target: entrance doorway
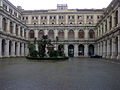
[[81, 50], [91, 50], [71, 50]]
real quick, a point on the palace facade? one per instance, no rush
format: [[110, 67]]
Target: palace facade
[[82, 32]]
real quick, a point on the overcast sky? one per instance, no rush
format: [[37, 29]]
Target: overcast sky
[[52, 4]]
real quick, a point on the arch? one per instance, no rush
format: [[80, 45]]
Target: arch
[[3, 47], [71, 35], [81, 34], [4, 24], [31, 34], [11, 27], [91, 34], [71, 50], [91, 50], [51, 34], [81, 50], [40, 33], [61, 35], [10, 47]]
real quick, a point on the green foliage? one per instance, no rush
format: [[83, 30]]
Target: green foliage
[[53, 53]]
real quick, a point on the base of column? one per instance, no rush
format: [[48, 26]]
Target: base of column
[[118, 57]]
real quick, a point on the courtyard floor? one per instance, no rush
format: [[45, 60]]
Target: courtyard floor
[[74, 74]]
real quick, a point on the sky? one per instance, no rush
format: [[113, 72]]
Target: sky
[[52, 4]]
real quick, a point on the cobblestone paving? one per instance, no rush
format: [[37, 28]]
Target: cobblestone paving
[[75, 74]]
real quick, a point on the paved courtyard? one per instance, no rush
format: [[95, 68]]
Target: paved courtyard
[[75, 74]]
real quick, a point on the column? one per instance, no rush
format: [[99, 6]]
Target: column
[[113, 20], [1, 3], [113, 49], [75, 19], [66, 19], [36, 34], [18, 49], [55, 34], [66, 49], [0, 47], [66, 35], [76, 50], [8, 26], [86, 34], [103, 27], [22, 49], [108, 26], [86, 50], [108, 49], [23, 32], [19, 31], [48, 19], [98, 48], [76, 34], [26, 49], [85, 19], [118, 15], [27, 34], [57, 21], [118, 57], [7, 48], [1, 23], [104, 49], [36, 45], [13, 49]]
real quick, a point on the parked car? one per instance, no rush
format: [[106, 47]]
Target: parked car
[[95, 56]]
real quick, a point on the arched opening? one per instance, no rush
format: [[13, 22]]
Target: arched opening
[[61, 35], [116, 46], [16, 31], [4, 24], [81, 34], [61, 49], [91, 34], [11, 27], [31, 34], [20, 49], [51, 34], [21, 31], [110, 47], [71, 50], [16, 48], [91, 50], [10, 47], [40, 34], [71, 35], [3, 47], [81, 50]]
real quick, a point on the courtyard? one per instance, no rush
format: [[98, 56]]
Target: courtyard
[[73, 74]]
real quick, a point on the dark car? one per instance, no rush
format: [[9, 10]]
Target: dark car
[[95, 56]]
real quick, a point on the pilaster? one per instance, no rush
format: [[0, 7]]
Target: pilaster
[[55, 34], [76, 50], [66, 35], [108, 49], [1, 18], [104, 54], [113, 49], [14, 27], [18, 48], [66, 49], [76, 34], [7, 48], [13, 49], [86, 50], [36, 34], [46, 32], [8, 26]]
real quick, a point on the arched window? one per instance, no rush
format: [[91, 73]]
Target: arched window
[[4, 24], [91, 34], [61, 35], [11, 27], [41, 33], [81, 34], [31, 34], [51, 34], [71, 35]]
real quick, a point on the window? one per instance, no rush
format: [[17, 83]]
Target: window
[[11, 27], [81, 34], [31, 34], [4, 24], [91, 34]]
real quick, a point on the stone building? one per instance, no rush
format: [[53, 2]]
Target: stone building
[[82, 32]]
